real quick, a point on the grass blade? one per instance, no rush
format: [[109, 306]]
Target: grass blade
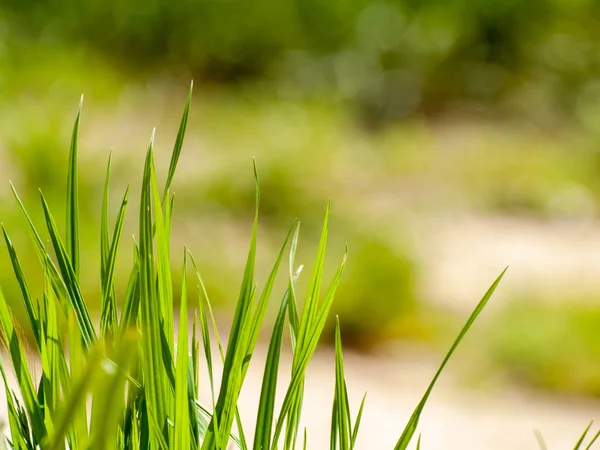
[[70, 279], [152, 365], [264, 419], [182, 418], [32, 314], [411, 426], [594, 439], [26, 387], [72, 222], [582, 437], [108, 317], [178, 143]]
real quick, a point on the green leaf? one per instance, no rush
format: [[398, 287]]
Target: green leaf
[[582, 438], [236, 349], [57, 282], [594, 439], [357, 423], [108, 317], [70, 279], [182, 418], [264, 419], [18, 435], [72, 222], [132, 295], [32, 314], [156, 384], [343, 416], [411, 426], [26, 387], [178, 143]]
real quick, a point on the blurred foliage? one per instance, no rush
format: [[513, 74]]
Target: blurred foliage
[[391, 58], [550, 345]]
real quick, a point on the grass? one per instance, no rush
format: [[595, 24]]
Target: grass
[[138, 375]]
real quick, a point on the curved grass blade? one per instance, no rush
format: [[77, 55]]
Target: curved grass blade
[[582, 437], [72, 222], [178, 143], [411, 426], [266, 407], [132, 295], [156, 385], [594, 439], [32, 314], [70, 279], [236, 348], [57, 282], [108, 317], [26, 387]]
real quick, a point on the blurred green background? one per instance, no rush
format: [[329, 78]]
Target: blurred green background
[[412, 116]]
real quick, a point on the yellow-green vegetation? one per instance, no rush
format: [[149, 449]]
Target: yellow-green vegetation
[[136, 368], [552, 345]]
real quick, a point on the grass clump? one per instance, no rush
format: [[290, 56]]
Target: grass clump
[[131, 381]]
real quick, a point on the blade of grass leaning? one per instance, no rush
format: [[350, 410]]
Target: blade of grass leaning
[[17, 433], [156, 384], [32, 314], [108, 316], [182, 418], [57, 282], [131, 302], [540, 439], [178, 143], [305, 346], [104, 224], [163, 263], [306, 322], [236, 349], [594, 439], [411, 426], [266, 405], [357, 422], [70, 279], [24, 380], [583, 435], [72, 210]]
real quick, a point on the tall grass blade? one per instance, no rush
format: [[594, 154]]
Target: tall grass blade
[[156, 384], [583, 435], [72, 222], [70, 279], [266, 406], [57, 282], [19, 362], [108, 316], [32, 314], [178, 143], [182, 419], [594, 439], [411, 426], [236, 349]]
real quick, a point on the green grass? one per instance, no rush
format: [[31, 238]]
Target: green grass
[[139, 375]]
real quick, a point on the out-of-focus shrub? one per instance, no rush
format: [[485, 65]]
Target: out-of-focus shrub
[[549, 345], [377, 291], [392, 58]]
